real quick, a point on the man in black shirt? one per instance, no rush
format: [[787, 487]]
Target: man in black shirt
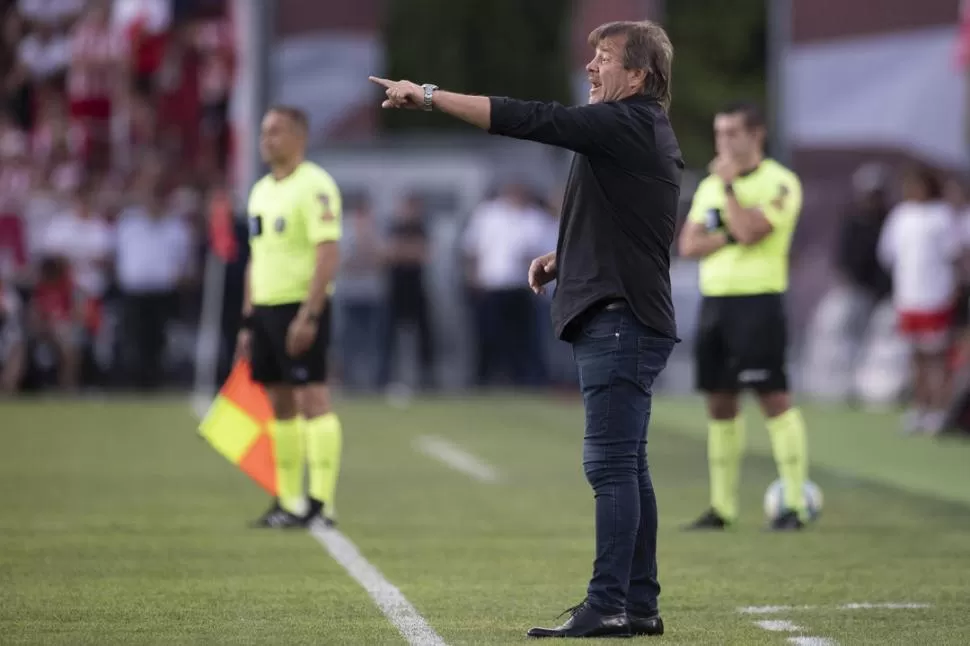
[[407, 302], [612, 300], [860, 228]]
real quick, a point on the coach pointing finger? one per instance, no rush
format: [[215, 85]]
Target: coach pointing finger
[[612, 300]]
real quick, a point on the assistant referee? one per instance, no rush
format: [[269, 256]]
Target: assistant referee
[[740, 226], [294, 227]]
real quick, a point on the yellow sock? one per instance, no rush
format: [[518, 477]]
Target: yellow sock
[[790, 447], [324, 442], [725, 446], [289, 453]]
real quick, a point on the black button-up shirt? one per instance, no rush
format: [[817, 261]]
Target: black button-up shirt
[[620, 206]]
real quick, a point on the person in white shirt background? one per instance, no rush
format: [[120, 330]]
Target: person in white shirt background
[[153, 259], [502, 237], [81, 236], [921, 245]]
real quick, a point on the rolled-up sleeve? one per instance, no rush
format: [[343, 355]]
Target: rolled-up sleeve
[[595, 129]]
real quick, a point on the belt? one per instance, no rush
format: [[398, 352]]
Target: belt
[[612, 306]]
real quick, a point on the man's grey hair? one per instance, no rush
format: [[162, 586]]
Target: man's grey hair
[[647, 48]]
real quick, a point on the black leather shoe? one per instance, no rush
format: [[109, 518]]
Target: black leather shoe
[[585, 621], [647, 624]]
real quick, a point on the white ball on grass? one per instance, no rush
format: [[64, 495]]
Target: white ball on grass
[[774, 503]]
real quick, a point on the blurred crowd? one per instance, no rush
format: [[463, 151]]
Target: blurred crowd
[[895, 327], [382, 291], [115, 135], [114, 128]]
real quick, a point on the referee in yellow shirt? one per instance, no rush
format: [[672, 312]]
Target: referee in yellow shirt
[[740, 226], [294, 218]]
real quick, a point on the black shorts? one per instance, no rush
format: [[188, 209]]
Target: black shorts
[[741, 344], [270, 362]]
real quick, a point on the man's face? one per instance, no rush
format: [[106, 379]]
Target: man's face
[[609, 80], [733, 139], [279, 140]]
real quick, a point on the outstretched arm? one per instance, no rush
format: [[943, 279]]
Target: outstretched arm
[[476, 110], [588, 129]]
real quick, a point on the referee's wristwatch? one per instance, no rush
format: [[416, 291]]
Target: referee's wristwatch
[[429, 91]]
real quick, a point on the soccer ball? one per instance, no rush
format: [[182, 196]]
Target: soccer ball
[[775, 499]]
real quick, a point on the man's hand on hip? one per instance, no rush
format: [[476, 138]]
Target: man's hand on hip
[[542, 271]]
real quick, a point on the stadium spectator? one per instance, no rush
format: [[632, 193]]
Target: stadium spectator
[[13, 344], [55, 322], [16, 173], [360, 293], [83, 239], [44, 54], [154, 258], [502, 237], [16, 178], [54, 131], [17, 90], [955, 193], [921, 244], [406, 256], [145, 25], [863, 281], [212, 40], [97, 80]]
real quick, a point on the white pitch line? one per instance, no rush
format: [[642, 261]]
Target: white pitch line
[[778, 626], [812, 641], [456, 458], [770, 610], [388, 598], [774, 610], [883, 606], [399, 611]]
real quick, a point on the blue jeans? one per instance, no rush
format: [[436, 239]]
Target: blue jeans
[[618, 359]]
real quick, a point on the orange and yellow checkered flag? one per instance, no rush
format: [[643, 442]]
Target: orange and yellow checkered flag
[[238, 426]]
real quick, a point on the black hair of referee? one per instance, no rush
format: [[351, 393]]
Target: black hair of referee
[[612, 299]]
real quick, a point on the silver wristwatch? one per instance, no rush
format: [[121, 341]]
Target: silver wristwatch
[[428, 94]]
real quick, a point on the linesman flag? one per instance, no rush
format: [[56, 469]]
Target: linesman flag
[[238, 427]]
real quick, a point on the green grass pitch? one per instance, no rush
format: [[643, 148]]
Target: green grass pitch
[[119, 525]]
